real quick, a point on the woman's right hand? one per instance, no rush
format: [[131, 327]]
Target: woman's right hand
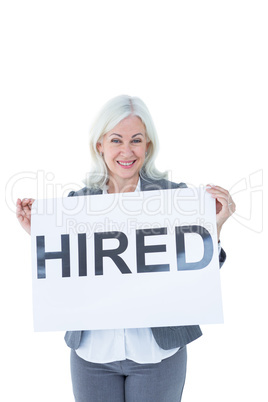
[[23, 213]]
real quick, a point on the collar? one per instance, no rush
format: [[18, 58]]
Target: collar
[[138, 188]]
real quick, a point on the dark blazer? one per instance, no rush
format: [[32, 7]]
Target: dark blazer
[[166, 337]]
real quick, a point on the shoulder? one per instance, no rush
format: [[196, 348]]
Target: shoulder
[[85, 191], [159, 184], [147, 184]]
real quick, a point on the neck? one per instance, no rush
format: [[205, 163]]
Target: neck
[[122, 186]]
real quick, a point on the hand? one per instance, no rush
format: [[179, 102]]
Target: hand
[[23, 213], [225, 205]]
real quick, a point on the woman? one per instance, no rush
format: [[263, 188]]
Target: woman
[[144, 364]]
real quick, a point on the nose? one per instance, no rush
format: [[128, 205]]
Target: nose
[[126, 150]]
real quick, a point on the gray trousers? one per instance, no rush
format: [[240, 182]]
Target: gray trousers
[[127, 381]]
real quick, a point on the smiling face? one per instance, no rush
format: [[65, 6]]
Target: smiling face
[[123, 150]]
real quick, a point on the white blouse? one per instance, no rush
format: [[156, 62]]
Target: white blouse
[[109, 345]]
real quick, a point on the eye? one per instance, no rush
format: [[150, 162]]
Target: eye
[[136, 140], [115, 140]]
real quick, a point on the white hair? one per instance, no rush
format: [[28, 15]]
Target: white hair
[[112, 113]]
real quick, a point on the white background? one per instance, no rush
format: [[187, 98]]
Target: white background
[[201, 67]]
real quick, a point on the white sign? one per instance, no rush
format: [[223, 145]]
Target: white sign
[[128, 260]]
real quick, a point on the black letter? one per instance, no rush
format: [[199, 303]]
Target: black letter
[[142, 249], [82, 253], [113, 254], [42, 256], [180, 244]]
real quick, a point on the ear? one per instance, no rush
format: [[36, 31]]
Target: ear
[[148, 144], [99, 147]]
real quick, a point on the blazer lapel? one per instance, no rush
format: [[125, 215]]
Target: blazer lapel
[[147, 184]]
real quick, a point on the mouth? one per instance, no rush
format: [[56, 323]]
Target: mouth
[[126, 164]]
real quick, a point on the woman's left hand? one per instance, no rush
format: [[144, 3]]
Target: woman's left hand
[[225, 205]]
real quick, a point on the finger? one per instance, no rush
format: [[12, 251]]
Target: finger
[[27, 202], [217, 195], [217, 189], [21, 215], [227, 198], [18, 203], [228, 207], [231, 206], [19, 208], [31, 201], [20, 218], [222, 199], [211, 187], [221, 189], [23, 210], [27, 205], [24, 201]]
